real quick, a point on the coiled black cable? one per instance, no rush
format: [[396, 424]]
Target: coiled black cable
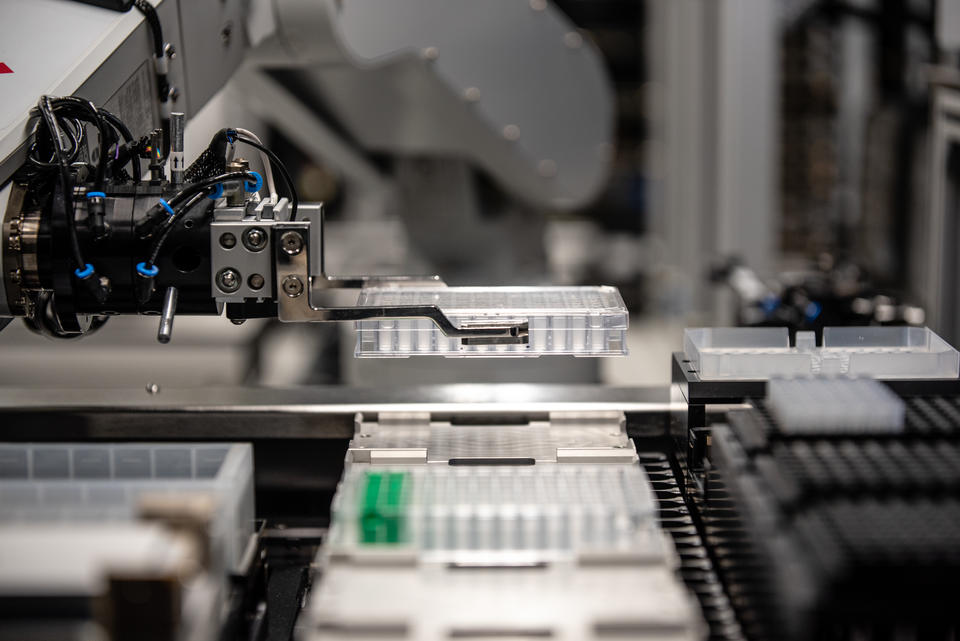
[[50, 119], [69, 113]]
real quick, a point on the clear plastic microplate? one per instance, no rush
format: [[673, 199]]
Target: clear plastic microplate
[[759, 353], [577, 321]]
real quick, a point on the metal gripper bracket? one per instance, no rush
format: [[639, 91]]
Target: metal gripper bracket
[[295, 286]]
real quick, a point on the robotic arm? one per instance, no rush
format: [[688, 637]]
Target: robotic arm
[[88, 235]]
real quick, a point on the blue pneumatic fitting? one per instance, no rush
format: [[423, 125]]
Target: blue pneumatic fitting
[[167, 206], [98, 286], [96, 207], [217, 193], [143, 270], [144, 284], [86, 272], [256, 186]]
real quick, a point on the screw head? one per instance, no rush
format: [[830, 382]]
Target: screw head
[[152, 388], [292, 243], [573, 40], [238, 321], [292, 286], [255, 239], [228, 240], [228, 280], [256, 281]]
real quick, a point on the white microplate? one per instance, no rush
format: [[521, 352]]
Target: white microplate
[[834, 405], [577, 321], [83, 483], [747, 353]]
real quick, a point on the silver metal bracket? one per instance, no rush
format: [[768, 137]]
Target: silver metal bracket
[[295, 286], [421, 438]]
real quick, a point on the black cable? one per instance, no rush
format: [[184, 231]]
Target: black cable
[[102, 139], [163, 86], [69, 113], [154, 21], [69, 109], [46, 111], [294, 198], [162, 238], [74, 130], [184, 200], [121, 128]]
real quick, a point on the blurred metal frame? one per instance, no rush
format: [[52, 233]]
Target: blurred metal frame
[[714, 66], [935, 238]]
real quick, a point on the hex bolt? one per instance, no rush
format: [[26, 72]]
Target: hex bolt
[[255, 281], [228, 240], [292, 243], [292, 286], [255, 239], [228, 280]]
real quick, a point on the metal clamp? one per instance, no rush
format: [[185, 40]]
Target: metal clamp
[[295, 286]]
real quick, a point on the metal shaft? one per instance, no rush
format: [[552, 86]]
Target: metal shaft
[[165, 331], [177, 122]]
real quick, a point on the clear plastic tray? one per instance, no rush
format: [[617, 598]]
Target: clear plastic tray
[[577, 321], [75, 483], [746, 353], [496, 511]]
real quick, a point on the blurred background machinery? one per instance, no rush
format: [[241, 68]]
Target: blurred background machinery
[[760, 163], [784, 171]]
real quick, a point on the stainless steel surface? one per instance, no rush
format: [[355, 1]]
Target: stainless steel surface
[[334, 399], [321, 412], [177, 123], [240, 240], [236, 192], [293, 271], [165, 331]]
